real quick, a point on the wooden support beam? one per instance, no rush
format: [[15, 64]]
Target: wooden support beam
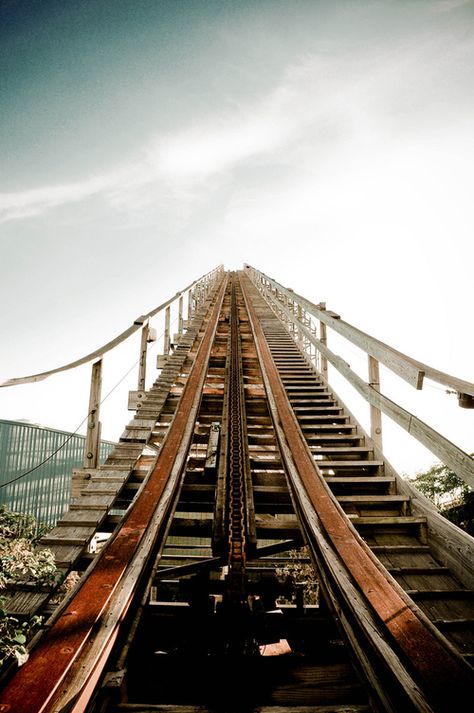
[[375, 413], [142, 362], [180, 315], [190, 305], [91, 451], [323, 337], [167, 337]]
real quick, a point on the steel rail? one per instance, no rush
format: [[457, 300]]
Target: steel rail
[[65, 646], [442, 675], [138, 323]]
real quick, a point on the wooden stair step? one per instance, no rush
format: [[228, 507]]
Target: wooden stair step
[[66, 535], [20, 603], [359, 479], [440, 593], [327, 427], [400, 549], [387, 520], [87, 518], [66, 555], [312, 409], [92, 502], [101, 488], [371, 499], [453, 623], [418, 570], [339, 450], [334, 418], [331, 437], [342, 464], [306, 388]]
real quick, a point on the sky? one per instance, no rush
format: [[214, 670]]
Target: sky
[[328, 143]]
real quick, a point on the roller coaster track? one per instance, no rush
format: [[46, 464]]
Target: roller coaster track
[[181, 608]]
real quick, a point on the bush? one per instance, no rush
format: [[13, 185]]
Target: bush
[[21, 564]]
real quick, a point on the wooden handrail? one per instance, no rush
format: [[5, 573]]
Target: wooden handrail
[[457, 459], [409, 369], [138, 323]]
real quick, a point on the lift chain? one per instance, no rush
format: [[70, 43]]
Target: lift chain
[[236, 461]]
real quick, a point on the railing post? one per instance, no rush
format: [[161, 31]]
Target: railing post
[[142, 363], [190, 304], [167, 339], [300, 320], [375, 413], [180, 315], [323, 338], [91, 452]]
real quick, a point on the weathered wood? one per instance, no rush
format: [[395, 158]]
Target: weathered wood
[[170, 708], [180, 315], [323, 335], [459, 461], [142, 361], [167, 337], [379, 588], [85, 518], [92, 443], [66, 535], [375, 413], [407, 368]]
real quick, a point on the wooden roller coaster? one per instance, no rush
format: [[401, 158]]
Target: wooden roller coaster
[[240, 465]]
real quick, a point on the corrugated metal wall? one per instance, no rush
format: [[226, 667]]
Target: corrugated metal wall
[[45, 491]]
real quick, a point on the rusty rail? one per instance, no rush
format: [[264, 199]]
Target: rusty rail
[[443, 676], [40, 683]]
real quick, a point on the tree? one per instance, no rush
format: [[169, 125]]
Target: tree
[[449, 493]]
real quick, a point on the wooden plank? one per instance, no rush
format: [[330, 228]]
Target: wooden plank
[[83, 517], [66, 555], [367, 499], [68, 535], [341, 464], [381, 520], [170, 708], [92, 502], [23, 603]]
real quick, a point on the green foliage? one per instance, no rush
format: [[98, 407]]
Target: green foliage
[[20, 564], [441, 485], [449, 493], [17, 525], [301, 573], [14, 635]]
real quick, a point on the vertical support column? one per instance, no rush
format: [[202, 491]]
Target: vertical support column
[[167, 339], [180, 315], [324, 340], [91, 452], [142, 363], [190, 304], [375, 414], [299, 315]]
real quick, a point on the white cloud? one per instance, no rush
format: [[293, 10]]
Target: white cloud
[[325, 108]]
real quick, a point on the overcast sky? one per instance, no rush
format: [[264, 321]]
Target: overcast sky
[[144, 142]]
